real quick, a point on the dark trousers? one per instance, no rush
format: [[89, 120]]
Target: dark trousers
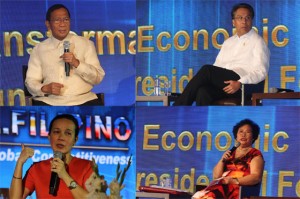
[[95, 102], [207, 86]]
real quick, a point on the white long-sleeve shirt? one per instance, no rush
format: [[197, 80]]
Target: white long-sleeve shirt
[[247, 55], [46, 66]]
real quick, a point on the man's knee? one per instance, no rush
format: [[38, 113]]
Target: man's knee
[[205, 67], [204, 71]]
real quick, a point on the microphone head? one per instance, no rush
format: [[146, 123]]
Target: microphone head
[[66, 44], [273, 90], [57, 154], [237, 144]]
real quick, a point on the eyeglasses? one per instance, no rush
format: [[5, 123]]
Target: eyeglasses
[[240, 18], [58, 20]]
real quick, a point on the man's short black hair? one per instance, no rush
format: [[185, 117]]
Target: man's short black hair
[[68, 117], [254, 128], [242, 5], [56, 7]]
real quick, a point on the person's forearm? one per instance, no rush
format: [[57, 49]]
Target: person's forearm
[[34, 87], [251, 179], [16, 189], [78, 192], [218, 169]]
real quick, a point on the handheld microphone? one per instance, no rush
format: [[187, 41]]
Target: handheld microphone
[[54, 181], [67, 49], [236, 145]]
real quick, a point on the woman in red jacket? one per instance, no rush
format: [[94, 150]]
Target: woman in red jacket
[[76, 176]]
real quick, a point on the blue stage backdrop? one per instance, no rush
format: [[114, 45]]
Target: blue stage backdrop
[[187, 143], [106, 133], [109, 24], [176, 38]]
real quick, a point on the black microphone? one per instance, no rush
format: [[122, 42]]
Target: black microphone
[[67, 49], [236, 145], [280, 90], [54, 181]]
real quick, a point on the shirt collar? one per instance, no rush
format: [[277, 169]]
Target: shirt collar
[[56, 43], [248, 34]]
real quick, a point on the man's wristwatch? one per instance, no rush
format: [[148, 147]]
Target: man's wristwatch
[[72, 185]]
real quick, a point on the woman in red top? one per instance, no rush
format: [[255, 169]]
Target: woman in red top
[[76, 176], [244, 166]]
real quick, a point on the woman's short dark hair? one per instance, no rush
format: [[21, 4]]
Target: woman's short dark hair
[[242, 5], [68, 117], [56, 7], [254, 128]]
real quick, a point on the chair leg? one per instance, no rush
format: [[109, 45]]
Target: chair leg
[[243, 95]]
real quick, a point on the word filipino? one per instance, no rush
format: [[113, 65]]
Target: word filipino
[[120, 128], [286, 181], [154, 140], [164, 41]]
